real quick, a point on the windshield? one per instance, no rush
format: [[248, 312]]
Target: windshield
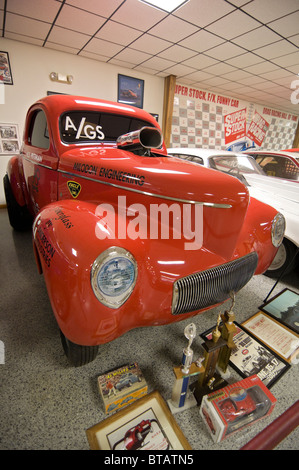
[[85, 126], [235, 165]]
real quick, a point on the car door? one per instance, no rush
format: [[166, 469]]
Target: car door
[[39, 162]]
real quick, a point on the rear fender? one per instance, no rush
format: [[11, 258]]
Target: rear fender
[[16, 180]]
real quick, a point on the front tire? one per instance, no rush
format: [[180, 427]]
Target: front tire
[[284, 260], [78, 355]]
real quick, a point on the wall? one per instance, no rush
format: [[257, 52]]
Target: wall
[[31, 66], [206, 119]]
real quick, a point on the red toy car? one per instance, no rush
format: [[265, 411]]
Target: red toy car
[[125, 235], [238, 405]]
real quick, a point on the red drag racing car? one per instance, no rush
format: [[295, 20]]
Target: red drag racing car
[[125, 235]]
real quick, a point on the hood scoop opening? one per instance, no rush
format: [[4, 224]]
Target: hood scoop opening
[[142, 141]]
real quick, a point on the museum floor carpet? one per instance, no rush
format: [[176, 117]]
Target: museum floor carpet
[[46, 404]]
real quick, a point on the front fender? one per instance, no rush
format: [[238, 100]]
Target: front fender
[[66, 240], [256, 234]]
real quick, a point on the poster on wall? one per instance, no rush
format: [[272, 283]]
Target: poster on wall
[[257, 129], [5, 70], [235, 126], [130, 90], [205, 119], [9, 139]]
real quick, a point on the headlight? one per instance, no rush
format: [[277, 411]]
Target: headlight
[[278, 228], [113, 276]]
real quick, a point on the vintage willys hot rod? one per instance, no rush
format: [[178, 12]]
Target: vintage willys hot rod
[[125, 235]]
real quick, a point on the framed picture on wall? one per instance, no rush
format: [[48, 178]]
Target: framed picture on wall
[[130, 91], [5, 69], [9, 139]]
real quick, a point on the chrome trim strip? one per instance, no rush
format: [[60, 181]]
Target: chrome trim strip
[[30, 160], [185, 201]]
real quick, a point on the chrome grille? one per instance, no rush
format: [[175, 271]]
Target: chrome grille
[[210, 287]]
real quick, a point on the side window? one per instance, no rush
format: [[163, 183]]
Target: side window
[[39, 135]]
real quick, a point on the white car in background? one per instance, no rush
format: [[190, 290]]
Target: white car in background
[[281, 194], [281, 164]]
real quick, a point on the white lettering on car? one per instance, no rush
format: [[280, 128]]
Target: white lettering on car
[[89, 131]]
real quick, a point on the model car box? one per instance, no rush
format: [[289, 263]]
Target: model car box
[[121, 387], [236, 406]]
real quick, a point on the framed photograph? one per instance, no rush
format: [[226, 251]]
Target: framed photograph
[[284, 307], [280, 339], [5, 69], [251, 356], [9, 139], [147, 424], [130, 91]]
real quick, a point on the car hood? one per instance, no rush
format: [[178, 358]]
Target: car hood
[[160, 176], [280, 190]]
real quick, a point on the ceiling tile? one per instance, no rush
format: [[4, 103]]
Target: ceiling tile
[[219, 69], [99, 7], [178, 70], [215, 81], [244, 60], [79, 20], [104, 48], [62, 47], [44, 10], [225, 51], [138, 15], [286, 26], [258, 38], [92, 55], [237, 75], [198, 75], [262, 67], [119, 33], [200, 61], [150, 44], [200, 13], [233, 25], [173, 29], [277, 49], [177, 54], [269, 10], [287, 60], [67, 37], [132, 56], [201, 41], [158, 63], [294, 39], [27, 26], [27, 39]]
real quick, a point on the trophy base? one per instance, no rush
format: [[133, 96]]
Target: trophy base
[[199, 391], [189, 403]]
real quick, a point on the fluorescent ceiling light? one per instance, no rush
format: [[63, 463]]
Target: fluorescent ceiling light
[[166, 5]]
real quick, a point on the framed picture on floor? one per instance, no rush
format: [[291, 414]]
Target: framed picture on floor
[[280, 339], [284, 307], [250, 356], [147, 424], [130, 91]]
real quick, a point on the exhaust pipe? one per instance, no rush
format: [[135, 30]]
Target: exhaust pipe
[[144, 138]]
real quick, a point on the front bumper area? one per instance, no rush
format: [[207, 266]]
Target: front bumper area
[[206, 288]]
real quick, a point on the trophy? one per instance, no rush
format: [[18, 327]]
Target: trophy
[[228, 330], [209, 380], [181, 398]]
